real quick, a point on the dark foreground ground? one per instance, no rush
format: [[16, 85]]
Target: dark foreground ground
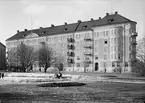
[[97, 92]]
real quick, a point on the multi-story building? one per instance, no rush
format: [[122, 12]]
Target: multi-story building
[[2, 57], [89, 46]]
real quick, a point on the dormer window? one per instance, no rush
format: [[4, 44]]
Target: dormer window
[[85, 26], [110, 20], [24, 35], [43, 32], [65, 29]]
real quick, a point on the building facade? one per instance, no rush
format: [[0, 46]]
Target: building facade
[[101, 45], [2, 56]]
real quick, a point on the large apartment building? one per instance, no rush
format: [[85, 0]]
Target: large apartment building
[[89, 46], [2, 57]]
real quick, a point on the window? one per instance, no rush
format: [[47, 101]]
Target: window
[[65, 29], [61, 38], [98, 34], [105, 57], [115, 32], [111, 48], [115, 40], [105, 41], [112, 56], [115, 48], [130, 56], [78, 58], [126, 64], [113, 64], [86, 58], [112, 40], [110, 20], [96, 57], [105, 49], [96, 42], [118, 64], [85, 26], [64, 37], [115, 56], [95, 33], [104, 33], [96, 49], [112, 32], [119, 56], [78, 64]]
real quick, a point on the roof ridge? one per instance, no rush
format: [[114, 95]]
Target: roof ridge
[[72, 27], [2, 44]]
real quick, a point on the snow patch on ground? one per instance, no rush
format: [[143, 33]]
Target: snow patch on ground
[[25, 78]]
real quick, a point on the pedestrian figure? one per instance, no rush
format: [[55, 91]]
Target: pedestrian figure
[[2, 75], [105, 70]]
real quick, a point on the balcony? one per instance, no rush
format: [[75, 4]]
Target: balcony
[[71, 40], [134, 34], [72, 54], [88, 54], [134, 43], [88, 46], [88, 39], [72, 47], [88, 61], [70, 61]]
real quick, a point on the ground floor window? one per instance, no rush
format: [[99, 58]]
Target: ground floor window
[[113, 64], [96, 66], [126, 64]]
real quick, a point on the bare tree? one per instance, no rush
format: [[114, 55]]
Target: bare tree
[[59, 62], [86, 64], [45, 57], [139, 64], [25, 55]]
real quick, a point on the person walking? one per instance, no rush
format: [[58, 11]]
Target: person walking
[[2, 75]]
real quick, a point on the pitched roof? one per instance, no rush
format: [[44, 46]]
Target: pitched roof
[[2, 44], [79, 26]]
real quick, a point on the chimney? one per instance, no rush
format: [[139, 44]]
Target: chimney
[[65, 23], [99, 18], [116, 12], [52, 25], [79, 21], [41, 28], [26, 30], [17, 31], [107, 14], [92, 19]]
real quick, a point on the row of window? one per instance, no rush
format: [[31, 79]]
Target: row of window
[[106, 33], [113, 56], [106, 41], [117, 64], [113, 48], [114, 64]]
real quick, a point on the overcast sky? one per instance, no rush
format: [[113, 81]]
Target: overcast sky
[[20, 14]]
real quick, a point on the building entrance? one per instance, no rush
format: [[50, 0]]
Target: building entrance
[[96, 66]]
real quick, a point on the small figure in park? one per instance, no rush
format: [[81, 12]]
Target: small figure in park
[[58, 75], [2, 75], [105, 70]]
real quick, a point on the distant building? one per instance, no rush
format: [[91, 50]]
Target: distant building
[[98, 45], [2, 56]]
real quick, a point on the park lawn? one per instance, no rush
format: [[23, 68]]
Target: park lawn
[[94, 92]]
